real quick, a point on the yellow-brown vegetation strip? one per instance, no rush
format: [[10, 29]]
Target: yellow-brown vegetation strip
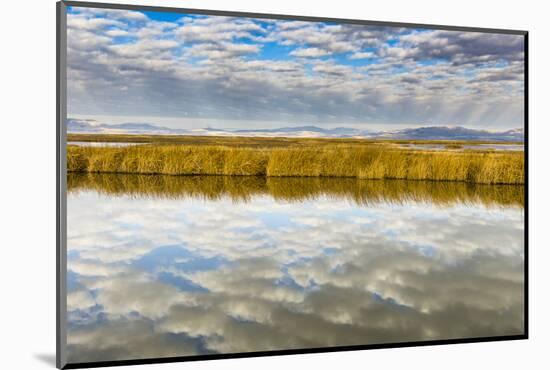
[[243, 188], [364, 162]]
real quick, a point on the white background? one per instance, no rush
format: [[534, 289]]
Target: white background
[[27, 181]]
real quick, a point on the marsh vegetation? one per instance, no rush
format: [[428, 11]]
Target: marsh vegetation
[[282, 157]]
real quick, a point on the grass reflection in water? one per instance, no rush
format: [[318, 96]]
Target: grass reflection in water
[[242, 188]]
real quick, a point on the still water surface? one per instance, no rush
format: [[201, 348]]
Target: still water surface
[[179, 266], [499, 147], [102, 144]]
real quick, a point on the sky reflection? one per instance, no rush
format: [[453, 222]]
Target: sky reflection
[[154, 277]]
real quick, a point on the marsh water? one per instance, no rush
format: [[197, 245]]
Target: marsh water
[[505, 147], [103, 144], [183, 265]]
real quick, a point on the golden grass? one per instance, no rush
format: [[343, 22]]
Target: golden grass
[[291, 189], [364, 162]]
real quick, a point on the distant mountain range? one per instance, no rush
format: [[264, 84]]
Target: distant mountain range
[[453, 133], [90, 126], [418, 133]]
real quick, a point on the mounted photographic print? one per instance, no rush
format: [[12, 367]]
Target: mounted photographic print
[[236, 184]]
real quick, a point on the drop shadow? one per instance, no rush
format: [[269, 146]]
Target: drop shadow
[[46, 358]]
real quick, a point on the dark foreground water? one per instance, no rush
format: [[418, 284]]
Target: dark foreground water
[[180, 266]]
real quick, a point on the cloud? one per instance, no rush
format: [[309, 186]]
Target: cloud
[[217, 29], [91, 24], [117, 33], [119, 14], [320, 37], [333, 69], [251, 71], [463, 47], [222, 50], [143, 48], [410, 80], [362, 55], [309, 52]]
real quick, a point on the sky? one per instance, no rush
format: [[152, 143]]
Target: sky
[[195, 71]]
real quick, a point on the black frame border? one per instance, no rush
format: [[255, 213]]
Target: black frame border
[[61, 211]]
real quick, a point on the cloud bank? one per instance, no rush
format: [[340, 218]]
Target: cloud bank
[[252, 71]]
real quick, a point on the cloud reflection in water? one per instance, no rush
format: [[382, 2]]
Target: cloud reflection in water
[[154, 276]]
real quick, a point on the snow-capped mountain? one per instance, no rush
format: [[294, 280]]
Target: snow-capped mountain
[[452, 133], [83, 125], [92, 126], [337, 132], [418, 133]]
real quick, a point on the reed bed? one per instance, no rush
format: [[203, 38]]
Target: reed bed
[[291, 189], [363, 162]]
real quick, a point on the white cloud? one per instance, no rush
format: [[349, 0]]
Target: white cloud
[[217, 29], [93, 24], [143, 48], [124, 15], [155, 72], [309, 52], [362, 55], [117, 33], [221, 50]]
